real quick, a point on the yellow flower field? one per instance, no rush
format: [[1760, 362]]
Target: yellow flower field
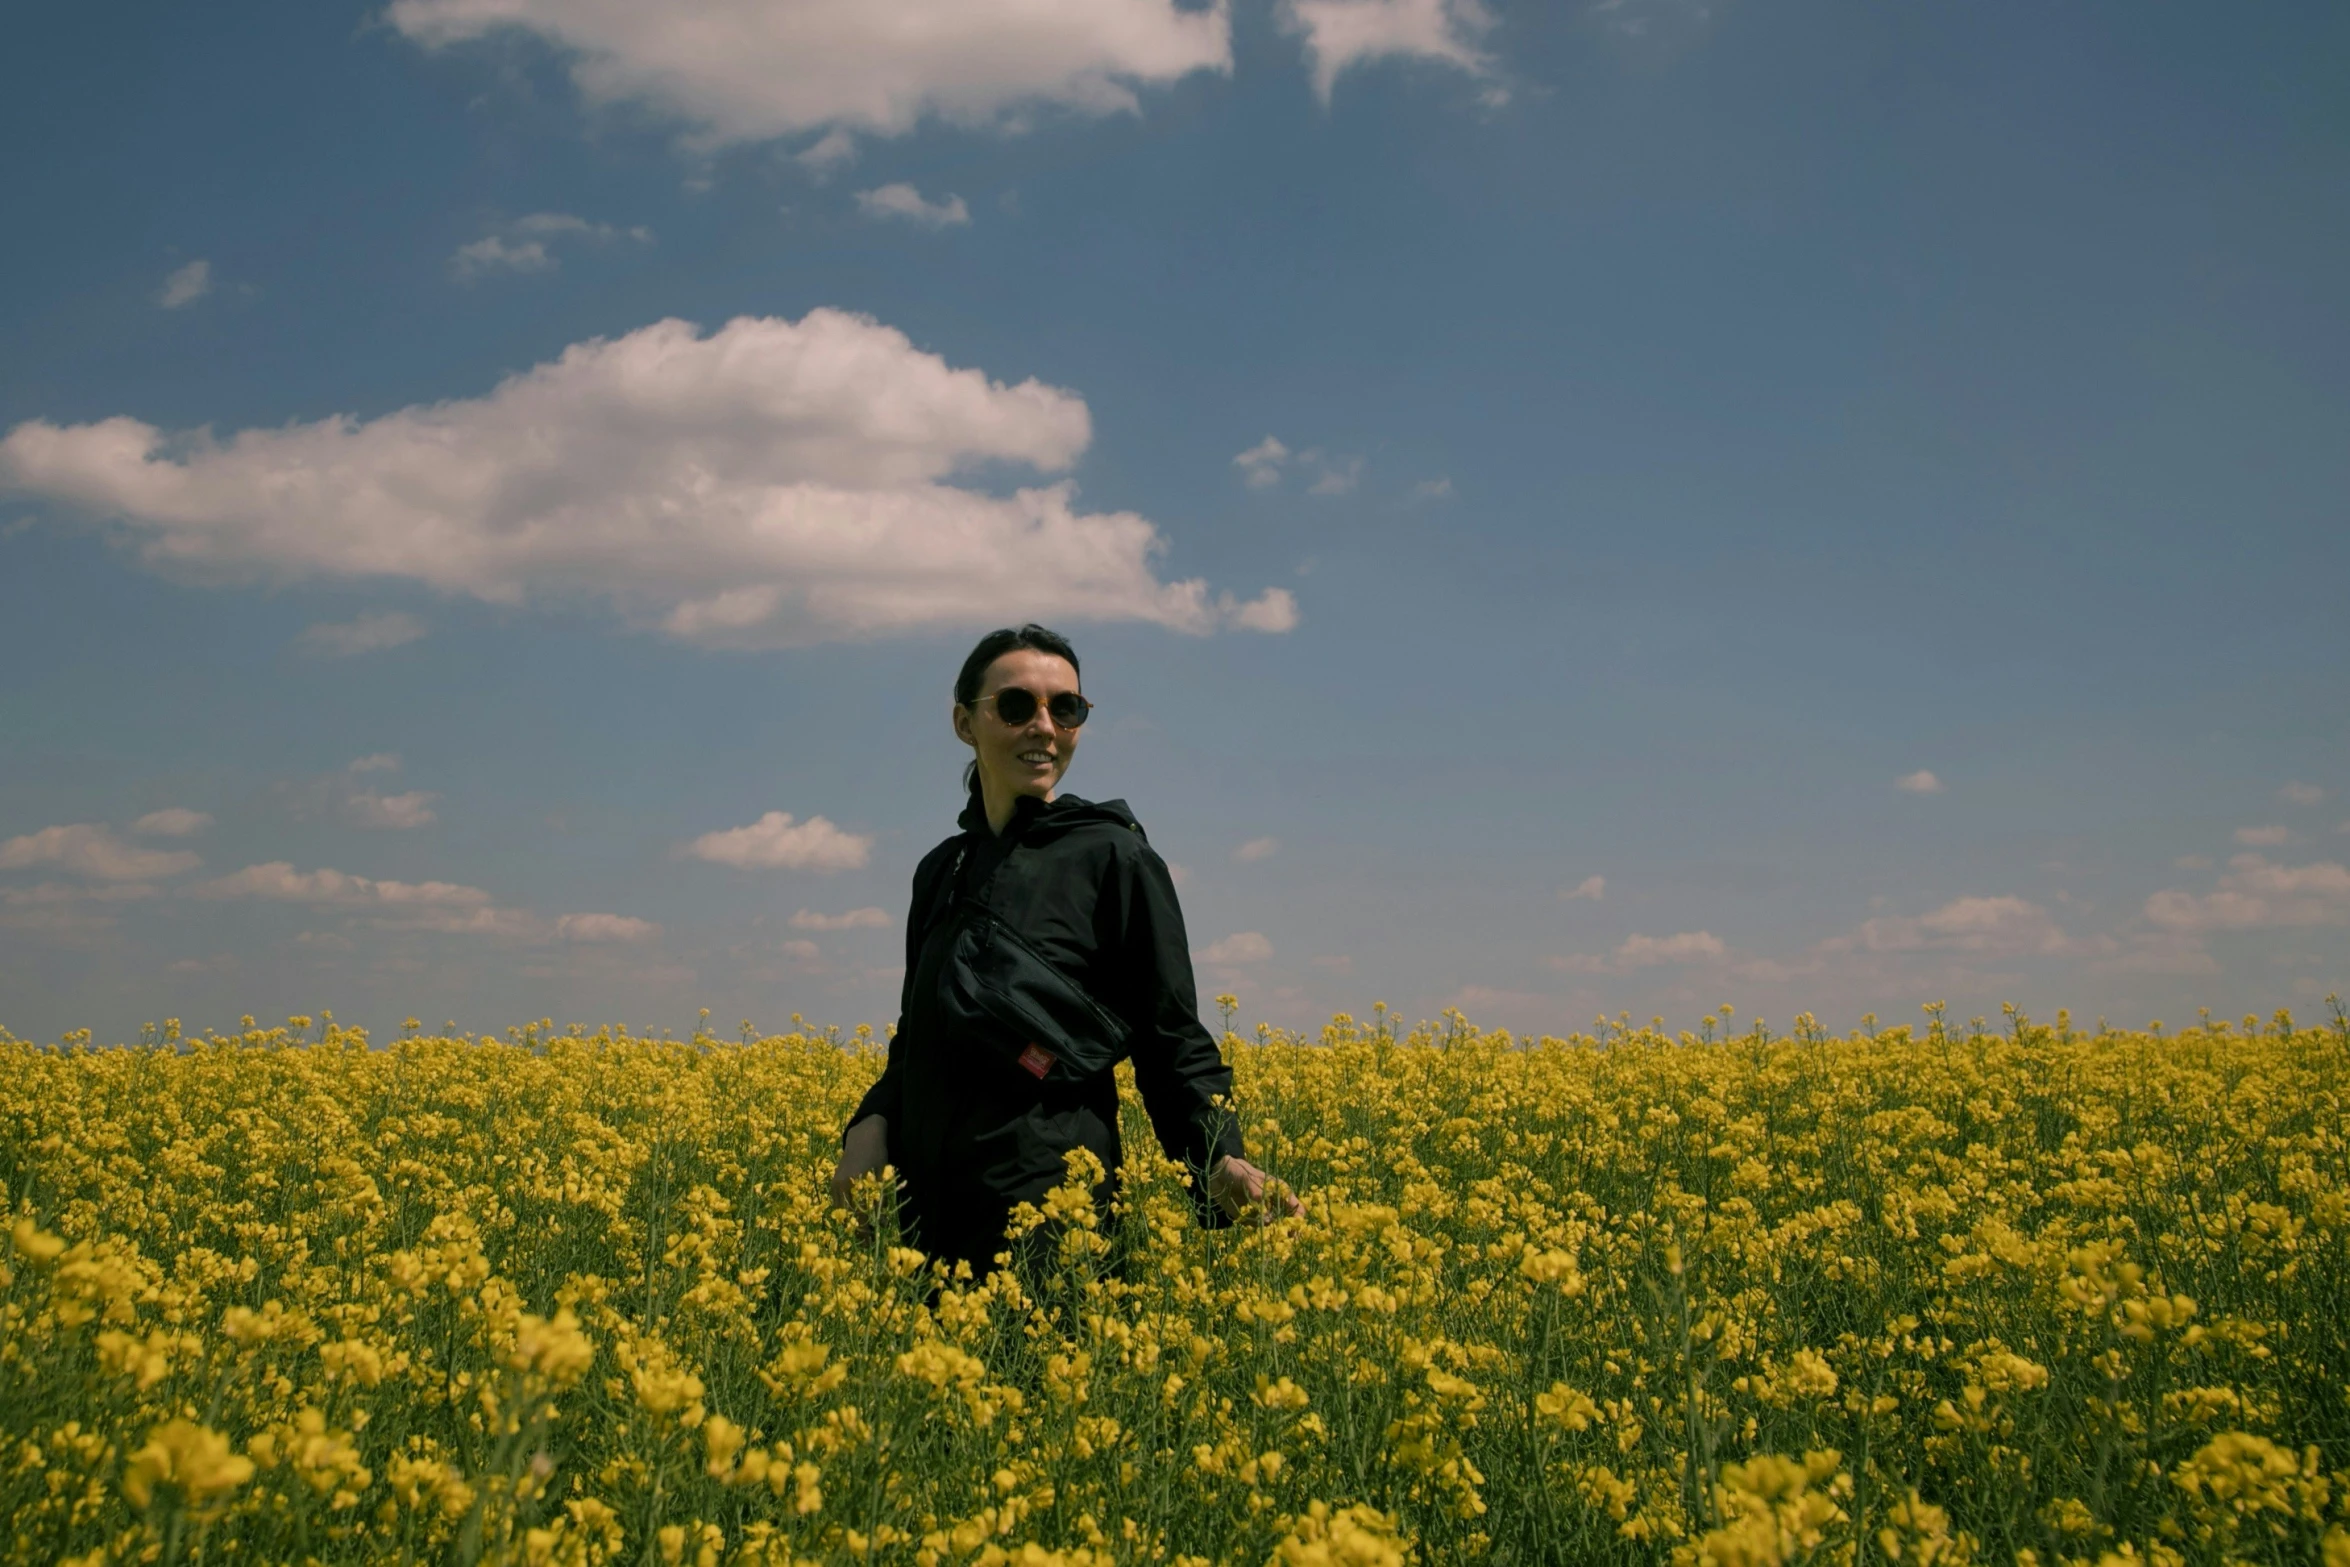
[[1917, 1295]]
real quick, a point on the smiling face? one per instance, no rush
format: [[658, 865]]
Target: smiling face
[[1018, 759]]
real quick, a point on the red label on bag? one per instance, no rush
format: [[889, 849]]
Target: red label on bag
[[1037, 1061]]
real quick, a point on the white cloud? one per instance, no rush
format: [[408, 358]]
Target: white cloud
[[438, 907], [2302, 793], [1636, 951], [1431, 490], [57, 892], [2256, 891], [185, 286], [773, 483], [854, 919], [389, 812], [522, 245], [1246, 946], [1920, 782], [1591, 887], [175, 821], [278, 881], [835, 149], [1342, 34], [1260, 465], [2263, 837], [776, 841], [749, 70], [2166, 952], [802, 951], [2192, 862], [1274, 610], [1641, 18], [368, 633], [904, 201], [89, 849], [605, 927], [1690, 946], [1339, 475], [376, 762], [69, 908], [512, 924], [2008, 927], [1256, 849]]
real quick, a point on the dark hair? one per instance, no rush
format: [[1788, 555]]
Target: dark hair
[[1007, 639]]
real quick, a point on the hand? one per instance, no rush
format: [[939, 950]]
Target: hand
[[1245, 1192], [863, 1151]]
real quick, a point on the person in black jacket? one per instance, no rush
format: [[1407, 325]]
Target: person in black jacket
[[971, 1127]]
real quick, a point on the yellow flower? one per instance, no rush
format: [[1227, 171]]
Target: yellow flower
[[1347, 1537], [184, 1456]]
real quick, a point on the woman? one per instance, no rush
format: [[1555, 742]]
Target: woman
[[1064, 900]]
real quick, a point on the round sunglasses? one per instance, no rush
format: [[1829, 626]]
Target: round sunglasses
[[1016, 705]]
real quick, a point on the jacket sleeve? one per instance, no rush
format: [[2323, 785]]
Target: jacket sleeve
[[887, 1094], [1186, 1085]]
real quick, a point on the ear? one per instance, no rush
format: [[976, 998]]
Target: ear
[[961, 718]]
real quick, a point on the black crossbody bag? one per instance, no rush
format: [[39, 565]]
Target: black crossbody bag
[[998, 991]]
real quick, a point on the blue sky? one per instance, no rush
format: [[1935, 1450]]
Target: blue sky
[[1566, 509]]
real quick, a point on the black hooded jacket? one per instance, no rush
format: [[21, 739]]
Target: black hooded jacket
[[969, 1131]]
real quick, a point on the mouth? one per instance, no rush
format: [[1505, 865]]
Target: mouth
[[1035, 758]]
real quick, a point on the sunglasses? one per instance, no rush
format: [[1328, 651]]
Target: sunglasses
[[1016, 705]]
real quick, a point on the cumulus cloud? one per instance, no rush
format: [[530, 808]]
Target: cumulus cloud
[[1339, 475], [1637, 951], [1246, 946], [750, 70], [185, 286], [2166, 952], [1256, 849], [92, 850], [1431, 490], [1690, 946], [346, 798], [778, 842], [369, 633], [2302, 793], [69, 908], [2256, 891], [278, 881], [2263, 837], [1591, 887], [604, 927], [389, 812], [1274, 610], [437, 907], [1260, 465], [1342, 34], [773, 483], [854, 919], [1920, 782], [175, 821], [834, 149], [904, 201], [523, 245], [2001, 927], [66, 892]]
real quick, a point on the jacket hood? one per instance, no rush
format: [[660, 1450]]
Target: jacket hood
[[1038, 820]]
